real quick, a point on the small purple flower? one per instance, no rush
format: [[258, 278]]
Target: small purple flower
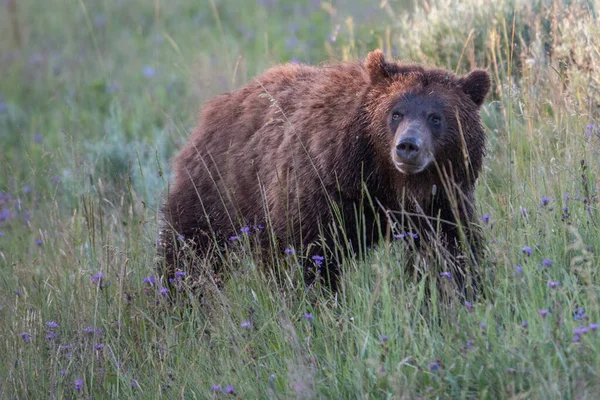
[[545, 201], [1, 234], [482, 325], [230, 389], [543, 313], [99, 331], [245, 229], [553, 285], [148, 72], [594, 327], [133, 384], [89, 330], [576, 339], [215, 388], [384, 338], [26, 337], [233, 238], [38, 242], [446, 275], [582, 330], [486, 218], [547, 262], [259, 227], [468, 305], [519, 270], [179, 274], [55, 179], [318, 259], [527, 250], [399, 235], [26, 189], [98, 346], [308, 316], [524, 212], [524, 324], [289, 250], [579, 313], [149, 280], [164, 291], [78, 385], [97, 279], [180, 238], [433, 366], [51, 335], [51, 324], [246, 324], [63, 372]]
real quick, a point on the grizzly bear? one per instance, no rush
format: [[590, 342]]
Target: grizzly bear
[[330, 160]]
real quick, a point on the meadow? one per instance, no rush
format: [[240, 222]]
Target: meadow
[[96, 96]]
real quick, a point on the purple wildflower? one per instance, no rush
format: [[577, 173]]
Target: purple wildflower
[[38, 242], [543, 313], [582, 330], [230, 389], [259, 227], [98, 346], [99, 331], [482, 325], [384, 338], [215, 388], [233, 238], [576, 338], [553, 285], [308, 316], [245, 229], [519, 269], [51, 324], [97, 279], [1, 234], [89, 330], [164, 291], [446, 275], [133, 384], [468, 305], [179, 274], [433, 366], [524, 324], [399, 236], [51, 335], [547, 262], [181, 238], [318, 259], [246, 324], [594, 327], [579, 313], [289, 250], [148, 72], [63, 372], [26, 337], [527, 250], [486, 218], [78, 385], [545, 201], [149, 280], [524, 212]]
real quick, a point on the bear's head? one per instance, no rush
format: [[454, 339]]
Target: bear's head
[[426, 118]]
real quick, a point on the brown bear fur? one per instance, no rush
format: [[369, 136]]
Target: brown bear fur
[[297, 140]]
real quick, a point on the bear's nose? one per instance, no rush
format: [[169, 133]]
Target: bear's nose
[[407, 149]]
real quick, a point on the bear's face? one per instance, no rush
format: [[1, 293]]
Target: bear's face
[[416, 123], [425, 116]]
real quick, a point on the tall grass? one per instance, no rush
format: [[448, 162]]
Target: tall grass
[[96, 96]]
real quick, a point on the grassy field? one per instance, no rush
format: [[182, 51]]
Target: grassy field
[[97, 95]]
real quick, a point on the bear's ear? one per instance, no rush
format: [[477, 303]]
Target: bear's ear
[[377, 67], [476, 85]]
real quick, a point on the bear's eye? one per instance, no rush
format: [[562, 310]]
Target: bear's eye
[[397, 116], [435, 120]]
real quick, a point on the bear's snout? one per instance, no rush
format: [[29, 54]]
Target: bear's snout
[[408, 149]]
